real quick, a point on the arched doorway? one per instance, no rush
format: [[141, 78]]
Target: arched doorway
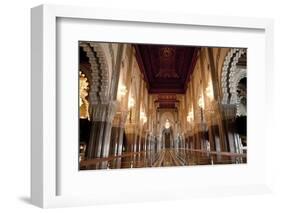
[[168, 139], [234, 96], [167, 136]]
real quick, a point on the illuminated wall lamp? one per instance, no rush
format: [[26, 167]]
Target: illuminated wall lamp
[[167, 124], [122, 90], [209, 91], [143, 117], [131, 103], [190, 117], [201, 102]]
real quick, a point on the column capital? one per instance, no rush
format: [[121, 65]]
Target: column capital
[[120, 118], [104, 112], [123, 118]]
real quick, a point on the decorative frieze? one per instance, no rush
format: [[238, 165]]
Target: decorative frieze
[[230, 74]]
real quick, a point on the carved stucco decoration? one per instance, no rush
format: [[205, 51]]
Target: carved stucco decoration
[[237, 76], [100, 83], [231, 75], [224, 75]]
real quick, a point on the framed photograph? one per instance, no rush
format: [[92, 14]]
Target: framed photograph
[[130, 106]]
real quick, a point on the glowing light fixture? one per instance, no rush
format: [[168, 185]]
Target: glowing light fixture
[[190, 116], [167, 124], [209, 91], [131, 102], [201, 103], [143, 117], [122, 90]]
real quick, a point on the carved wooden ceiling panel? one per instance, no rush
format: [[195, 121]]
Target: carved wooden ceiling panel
[[166, 100], [166, 68]]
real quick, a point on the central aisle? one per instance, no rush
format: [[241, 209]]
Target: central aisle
[[163, 158]]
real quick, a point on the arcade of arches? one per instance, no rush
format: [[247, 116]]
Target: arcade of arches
[[158, 105]]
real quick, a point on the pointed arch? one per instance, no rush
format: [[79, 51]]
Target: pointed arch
[[231, 74], [100, 72]]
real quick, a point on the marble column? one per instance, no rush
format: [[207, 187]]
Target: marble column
[[123, 118], [216, 135], [102, 115], [225, 113], [114, 139], [111, 109], [221, 140], [131, 137], [211, 136], [95, 143], [229, 111], [117, 137]]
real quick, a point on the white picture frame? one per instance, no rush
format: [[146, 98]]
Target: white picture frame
[[45, 152]]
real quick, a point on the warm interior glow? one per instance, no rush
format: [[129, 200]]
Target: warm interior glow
[[143, 117], [162, 103], [209, 91], [131, 102], [122, 91], [201, 103], [167, 124], [190, 116], [83, 102]]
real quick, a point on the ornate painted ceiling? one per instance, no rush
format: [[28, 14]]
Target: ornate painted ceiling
[[166, 101], [166, 68]]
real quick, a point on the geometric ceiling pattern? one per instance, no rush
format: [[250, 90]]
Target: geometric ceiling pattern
[[166, 68]]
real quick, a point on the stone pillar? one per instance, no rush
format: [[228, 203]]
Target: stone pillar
[[114, 135], [117, 133], [216, 135], [139, 143], [130, 136], [229, 111], [145, 143], [113, 139], [95, 142], [210, 125], [158, 142], [220, 131], [102, 115], [97, 127], [224, 145], [111, 109], [123, 119]]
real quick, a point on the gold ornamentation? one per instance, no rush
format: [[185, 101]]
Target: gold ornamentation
[[201, 103], [83, 102], [143, 117], [190, 116], [209, 91], [167, 124]]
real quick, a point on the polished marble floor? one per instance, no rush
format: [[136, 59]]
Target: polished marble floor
[[164, 158]]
